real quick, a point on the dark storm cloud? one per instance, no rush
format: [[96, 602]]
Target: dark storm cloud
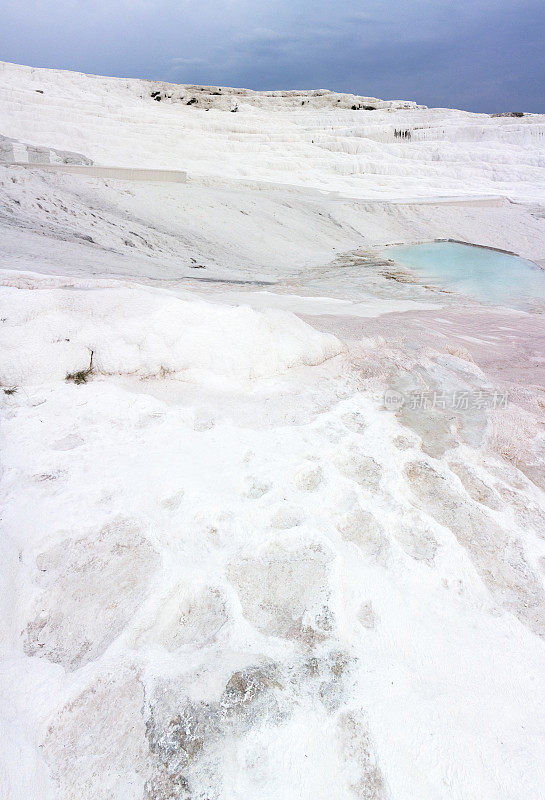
[[484, 55]]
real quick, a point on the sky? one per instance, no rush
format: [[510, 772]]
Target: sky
[[479, 55]]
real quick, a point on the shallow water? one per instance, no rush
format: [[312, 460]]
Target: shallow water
[[484, 274]]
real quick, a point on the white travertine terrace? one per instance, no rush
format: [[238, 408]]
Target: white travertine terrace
[[273, 137], [229, 571]]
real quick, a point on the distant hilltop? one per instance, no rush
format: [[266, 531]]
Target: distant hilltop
[[224, 98], [227, 98]]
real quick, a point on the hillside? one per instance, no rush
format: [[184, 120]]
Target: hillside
[[310, 139]]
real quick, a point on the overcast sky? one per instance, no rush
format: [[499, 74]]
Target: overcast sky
[[481, 55]]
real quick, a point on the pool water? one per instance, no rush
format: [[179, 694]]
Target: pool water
[[484, 274]]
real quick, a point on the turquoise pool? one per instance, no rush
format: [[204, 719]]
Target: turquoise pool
[[484, 274]]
